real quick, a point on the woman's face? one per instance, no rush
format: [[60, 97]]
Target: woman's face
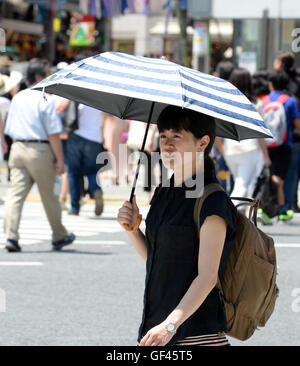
[[179, 148]]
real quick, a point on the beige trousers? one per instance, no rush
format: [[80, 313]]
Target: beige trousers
[[30, 163]]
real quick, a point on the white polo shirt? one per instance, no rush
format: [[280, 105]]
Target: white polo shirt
[[4, 107], [31, 117], [89, 123]]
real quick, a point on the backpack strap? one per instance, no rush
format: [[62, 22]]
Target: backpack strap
[[282, 98], [210, 189], [254, 205], [266, 100], [215, 187]]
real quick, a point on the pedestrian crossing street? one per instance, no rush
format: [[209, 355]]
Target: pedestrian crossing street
[[89, 229], [105, 230]]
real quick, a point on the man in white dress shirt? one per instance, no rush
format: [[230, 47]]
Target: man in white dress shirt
[[36, 157]]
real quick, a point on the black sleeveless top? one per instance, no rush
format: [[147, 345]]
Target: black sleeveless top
[[172, 258]]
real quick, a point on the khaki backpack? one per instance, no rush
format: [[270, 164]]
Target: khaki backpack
[[248, 287]]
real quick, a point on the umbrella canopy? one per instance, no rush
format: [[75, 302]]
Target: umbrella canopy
[[126, 86]]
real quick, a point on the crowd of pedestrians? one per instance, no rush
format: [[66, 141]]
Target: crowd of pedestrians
[[45, 140], [241, 163], [41, 139]]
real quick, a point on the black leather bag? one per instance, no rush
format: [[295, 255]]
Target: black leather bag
[[266, 192], [69, 118]]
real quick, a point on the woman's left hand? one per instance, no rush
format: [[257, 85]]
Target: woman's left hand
[[157, 336], [4, 146], [268, 161]]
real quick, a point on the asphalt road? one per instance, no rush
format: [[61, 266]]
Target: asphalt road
[[91, 292]]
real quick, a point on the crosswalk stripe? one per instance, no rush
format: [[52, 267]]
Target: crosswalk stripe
[[287, 245], [100, 242], [77, 242], [35, 229], [86, 227], [80, 232], [82, 223], [21, 264], [25, 241]]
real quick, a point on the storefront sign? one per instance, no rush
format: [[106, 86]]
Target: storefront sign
[[156, 44], [247, 60], [82, 32], [200, 39], [56, 24]]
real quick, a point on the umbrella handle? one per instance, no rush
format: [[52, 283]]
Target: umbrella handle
[[142, 150], [136, 225]]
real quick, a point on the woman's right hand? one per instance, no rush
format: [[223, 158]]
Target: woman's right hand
[[128, 214]]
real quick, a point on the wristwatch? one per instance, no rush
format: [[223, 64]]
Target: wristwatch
[[170, 327]]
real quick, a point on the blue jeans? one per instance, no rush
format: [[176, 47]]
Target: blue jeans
[[223, 168], [81, 157], [291, 178]]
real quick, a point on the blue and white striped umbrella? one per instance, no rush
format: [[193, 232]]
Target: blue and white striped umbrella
[[126, 86]]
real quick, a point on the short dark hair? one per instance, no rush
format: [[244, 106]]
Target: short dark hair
[[261, 82], [36, 67], [242, 79], [279, 79], [199, 124], [288, 61], [224, 69]]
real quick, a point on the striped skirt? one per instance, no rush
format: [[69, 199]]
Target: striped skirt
[[218, 339]]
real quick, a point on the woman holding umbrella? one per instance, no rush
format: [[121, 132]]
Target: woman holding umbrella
[[181, 302]]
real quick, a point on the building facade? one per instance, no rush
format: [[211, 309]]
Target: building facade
[[250, 35]]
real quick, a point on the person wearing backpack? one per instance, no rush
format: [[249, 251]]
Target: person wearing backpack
[[286, 61], [209, 269], [246, 158], [181, 302], [281, 115]]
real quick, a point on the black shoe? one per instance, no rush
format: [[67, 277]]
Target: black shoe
[[73, 213], [57, 245], [296, 209], [12, 246]]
